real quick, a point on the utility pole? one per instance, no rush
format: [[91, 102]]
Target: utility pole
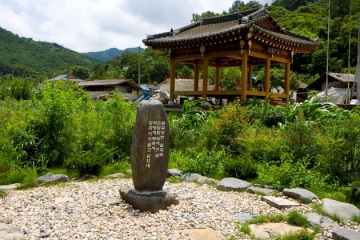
[[327, 56], [357, 74], [349, 58], [139, 66]]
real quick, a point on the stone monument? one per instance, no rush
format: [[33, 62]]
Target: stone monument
[[149, 159]]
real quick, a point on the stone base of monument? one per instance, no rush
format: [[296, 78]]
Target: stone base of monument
[[148, 201]]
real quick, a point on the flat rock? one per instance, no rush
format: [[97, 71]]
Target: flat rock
[[10, 186], [303, 195], [128, 171], [232, 184], [148, 201], [202, 234], [52, 178], [345, 234], [317, 220], [261, 190], [346, 211], [5, 220], [174, 172], [279, 202], [116, 175], [206, 180], [243, 217], [270, 230], [190, 177], [9, 232]]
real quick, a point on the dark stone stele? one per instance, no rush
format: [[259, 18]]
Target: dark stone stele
[[149, 160], [149, 175], [148, 201]]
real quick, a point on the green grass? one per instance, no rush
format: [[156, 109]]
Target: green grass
[[120, 167], [302, 235], [297, 219], [356, 219]]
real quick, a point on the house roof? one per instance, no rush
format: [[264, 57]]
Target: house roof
[[219, 30], [66, 77], [183, 85], [342, 77], [112, 82]]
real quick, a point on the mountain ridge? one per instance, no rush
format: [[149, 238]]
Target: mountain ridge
[[108, 54]]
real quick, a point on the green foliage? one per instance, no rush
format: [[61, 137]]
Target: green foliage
[[242, 167], [16, 88], [297, 219], [204, 163], [292, 174]]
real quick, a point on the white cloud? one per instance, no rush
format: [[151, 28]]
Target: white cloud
[[95, 25]]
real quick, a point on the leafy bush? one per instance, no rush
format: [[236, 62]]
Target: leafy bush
[[203, 163], [292, 174], [243, 167]]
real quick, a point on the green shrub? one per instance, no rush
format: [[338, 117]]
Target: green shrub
[[242, 167], [292, 174], [89, 162], [204, 163]]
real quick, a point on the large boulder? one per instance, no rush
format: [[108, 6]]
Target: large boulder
[[9, 232], [148, 201], [346, 211], [150, 147], [190, 177], [303, 195], [317, 220], [52, 178], [232, 184], [345, 234]]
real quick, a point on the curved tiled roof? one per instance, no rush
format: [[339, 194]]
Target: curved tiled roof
[[232, 24]]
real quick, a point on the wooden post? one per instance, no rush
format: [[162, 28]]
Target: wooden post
[[217, 80], [250, 77], [244, 79], [287, 81], [196, 77], [267, 76], [205, 77], [172, 78]]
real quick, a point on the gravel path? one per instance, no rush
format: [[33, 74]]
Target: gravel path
[[78, 210]]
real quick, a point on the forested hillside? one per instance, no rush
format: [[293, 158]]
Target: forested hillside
[[25, 57], [108, 54]]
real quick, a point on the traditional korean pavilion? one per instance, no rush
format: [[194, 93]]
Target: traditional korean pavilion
[[243, 39]]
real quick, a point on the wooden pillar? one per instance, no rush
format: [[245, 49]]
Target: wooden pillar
[[196, 77], [287, 81], [217, 79], [172, 78], [244, 78], [267, 76], [250, 77], [205, 77]]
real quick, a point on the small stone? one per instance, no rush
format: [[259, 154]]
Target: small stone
[[44, 235]]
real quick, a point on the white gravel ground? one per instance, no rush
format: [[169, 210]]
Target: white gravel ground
[[77, 210]]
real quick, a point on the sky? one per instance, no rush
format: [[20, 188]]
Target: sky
[[97, 25]]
